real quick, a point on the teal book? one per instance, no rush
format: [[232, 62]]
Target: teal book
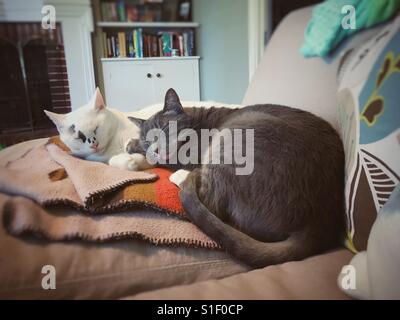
[[121, 11], [167, 44], [140, 43]]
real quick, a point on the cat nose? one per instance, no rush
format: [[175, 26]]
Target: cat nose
[[94, 145]]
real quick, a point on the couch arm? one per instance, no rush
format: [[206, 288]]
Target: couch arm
[[285, 77]]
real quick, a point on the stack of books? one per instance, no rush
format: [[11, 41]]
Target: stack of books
[[122, 11], [138, 44]]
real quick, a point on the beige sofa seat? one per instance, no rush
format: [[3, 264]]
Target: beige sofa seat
[[98, 271], [313, 278]]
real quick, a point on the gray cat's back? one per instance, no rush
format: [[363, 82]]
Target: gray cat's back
[[297, 181]]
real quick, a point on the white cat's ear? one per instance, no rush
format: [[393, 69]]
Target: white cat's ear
[[172, 103], [57, 118], [98, 101]]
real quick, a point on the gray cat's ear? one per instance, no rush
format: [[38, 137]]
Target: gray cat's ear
[[136, 121], [58, 119], [172, 103]]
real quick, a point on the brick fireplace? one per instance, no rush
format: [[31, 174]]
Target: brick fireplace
[[42, 68], [34, 78]]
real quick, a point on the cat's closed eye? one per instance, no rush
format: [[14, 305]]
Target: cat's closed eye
[[72, 129], [81, 136]]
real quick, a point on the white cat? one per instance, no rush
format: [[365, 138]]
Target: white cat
[[97, 133]]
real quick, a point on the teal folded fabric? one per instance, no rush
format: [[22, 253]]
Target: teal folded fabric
[[325, 32]]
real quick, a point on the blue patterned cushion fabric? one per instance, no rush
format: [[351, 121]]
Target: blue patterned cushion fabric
[[369, 115]]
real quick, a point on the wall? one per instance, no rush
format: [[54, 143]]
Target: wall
[[223, 45]]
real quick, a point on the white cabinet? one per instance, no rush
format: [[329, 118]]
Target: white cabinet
[[131, 84]]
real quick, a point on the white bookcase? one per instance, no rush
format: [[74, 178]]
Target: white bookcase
[[132, 83]]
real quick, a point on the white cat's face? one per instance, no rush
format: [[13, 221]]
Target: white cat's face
[[85, 131]]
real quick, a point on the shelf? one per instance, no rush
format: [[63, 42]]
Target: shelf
[[106, 24], [150, 58]]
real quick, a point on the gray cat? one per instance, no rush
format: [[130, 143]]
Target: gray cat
[[290, 207]]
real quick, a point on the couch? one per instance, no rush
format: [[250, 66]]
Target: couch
[[138, 270]]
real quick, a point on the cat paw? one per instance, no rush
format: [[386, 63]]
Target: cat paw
[[130, 162], [179, 177], [136, 162]]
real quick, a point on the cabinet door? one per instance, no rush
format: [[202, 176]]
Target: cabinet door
[[181, 75], [129, 86]]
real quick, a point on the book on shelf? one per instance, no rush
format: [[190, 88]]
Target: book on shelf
[[122, 43], [167, 44], [109, 11], [181, 47], [139, 44], [105, 43], [121, 11], [131, 11]]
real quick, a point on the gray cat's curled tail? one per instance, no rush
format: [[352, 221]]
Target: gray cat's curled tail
[[255, 253]]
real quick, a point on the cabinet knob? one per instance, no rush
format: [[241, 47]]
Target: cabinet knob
[[158, 75], [149, 75]]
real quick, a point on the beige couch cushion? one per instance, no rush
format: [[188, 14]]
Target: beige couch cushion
[[313, 278], [102, 271], [109, 270]]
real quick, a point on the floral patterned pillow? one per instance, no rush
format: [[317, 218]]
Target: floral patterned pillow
[[369, 114]]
